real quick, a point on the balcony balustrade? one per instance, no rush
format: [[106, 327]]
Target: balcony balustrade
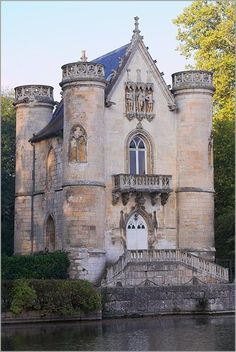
[[126, 184]]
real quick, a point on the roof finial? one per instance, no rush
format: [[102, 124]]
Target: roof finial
[[136, 37], [83, 57], [136, 24]]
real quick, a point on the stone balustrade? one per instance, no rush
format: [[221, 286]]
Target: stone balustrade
[[40, 93], [168, 255], [192, 79], [82, 71], [126, 182]]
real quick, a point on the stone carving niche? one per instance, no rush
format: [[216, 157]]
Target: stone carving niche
[[139, 99], [78, 145]]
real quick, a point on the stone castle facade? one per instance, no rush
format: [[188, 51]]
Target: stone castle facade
[[122, 163]]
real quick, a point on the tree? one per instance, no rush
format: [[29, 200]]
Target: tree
[[206, 32], [8, 171]]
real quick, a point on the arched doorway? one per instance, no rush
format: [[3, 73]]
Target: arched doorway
[[136, 233], [50, 234]]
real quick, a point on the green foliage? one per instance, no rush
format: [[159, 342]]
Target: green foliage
[[24, 297], [224, 144], [50, 296], [8, 121], [6, 294], [37, 266], [206, 31]]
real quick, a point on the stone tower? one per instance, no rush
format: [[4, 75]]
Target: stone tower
[[193, 92], [34, 105], [83, 183]]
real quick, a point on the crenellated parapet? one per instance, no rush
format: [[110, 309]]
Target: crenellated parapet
[[191, 80], [34, 93], [82, 71]]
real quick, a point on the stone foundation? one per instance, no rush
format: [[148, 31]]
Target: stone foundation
[[144, 301]]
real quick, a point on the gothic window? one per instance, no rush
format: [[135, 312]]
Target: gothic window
[[78, 145], [137, 156], [51, 169], [50, 234]]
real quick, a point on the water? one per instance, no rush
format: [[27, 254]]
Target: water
[[164, 333]]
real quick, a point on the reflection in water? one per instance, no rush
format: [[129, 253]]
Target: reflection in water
[[164, 333]]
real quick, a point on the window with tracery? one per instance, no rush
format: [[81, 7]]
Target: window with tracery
[[137, 156]]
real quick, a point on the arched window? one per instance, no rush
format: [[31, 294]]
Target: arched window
[[50, 234], [137, 156], [51, 169]]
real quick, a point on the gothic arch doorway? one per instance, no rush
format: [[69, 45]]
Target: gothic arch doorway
[[136, 233], [50, 233]]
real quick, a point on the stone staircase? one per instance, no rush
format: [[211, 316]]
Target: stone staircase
[[163, 267]]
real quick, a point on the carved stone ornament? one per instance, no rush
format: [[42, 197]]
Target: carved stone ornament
[[154, 220], [139, 100], [122, 221], [125, 198], [139, 199], [192, 79], [164, 198], [115, 197], [82, 71], [154, 198], [78, 145], [33, 93]]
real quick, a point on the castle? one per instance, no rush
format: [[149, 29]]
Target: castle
[[120, 171]]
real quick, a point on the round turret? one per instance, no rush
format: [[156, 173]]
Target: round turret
[[34, 105], [193, 92], [83, 84]]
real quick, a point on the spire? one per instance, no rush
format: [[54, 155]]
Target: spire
[[83, 57], [136, 37], [136, 24]]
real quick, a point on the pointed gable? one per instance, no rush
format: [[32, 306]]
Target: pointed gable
[[114, 63]]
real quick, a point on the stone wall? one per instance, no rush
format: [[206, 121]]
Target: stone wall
[[141, 301], [161, 156]]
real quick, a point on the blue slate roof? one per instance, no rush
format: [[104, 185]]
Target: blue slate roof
[[111, 61]]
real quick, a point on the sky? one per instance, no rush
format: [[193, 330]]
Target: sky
[[38, 37]]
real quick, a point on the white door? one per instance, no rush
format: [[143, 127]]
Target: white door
[[136, 233]]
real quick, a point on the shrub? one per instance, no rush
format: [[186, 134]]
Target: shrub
[[6, 296], [84, 296], [36, 266], [23, 297], [50, 296]]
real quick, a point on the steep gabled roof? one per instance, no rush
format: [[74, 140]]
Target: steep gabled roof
[[114, 63], [111, 61]]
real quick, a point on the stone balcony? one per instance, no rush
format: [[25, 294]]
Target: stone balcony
[[125, 185]]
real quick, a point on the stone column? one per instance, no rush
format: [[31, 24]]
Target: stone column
[[193, 92], [34, 105], [83, 86]]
